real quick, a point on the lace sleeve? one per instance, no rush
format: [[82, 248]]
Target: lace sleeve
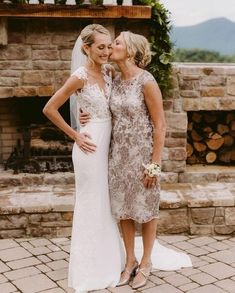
[[80, 73], [147, 76]]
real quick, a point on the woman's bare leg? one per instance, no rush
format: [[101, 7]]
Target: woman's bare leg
[[128, 234], [149, 230]]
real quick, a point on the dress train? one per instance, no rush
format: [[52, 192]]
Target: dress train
[[164, 258]]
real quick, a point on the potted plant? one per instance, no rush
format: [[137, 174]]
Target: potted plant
[[97, 2], [79, 2], [60, 2]]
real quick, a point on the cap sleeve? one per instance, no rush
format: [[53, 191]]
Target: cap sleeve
[[147, 76], [80, 73]]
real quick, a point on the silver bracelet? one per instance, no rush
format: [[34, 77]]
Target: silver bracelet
[[153, 169]]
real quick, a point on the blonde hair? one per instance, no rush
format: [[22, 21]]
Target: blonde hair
[[88, 34], [138, 48]]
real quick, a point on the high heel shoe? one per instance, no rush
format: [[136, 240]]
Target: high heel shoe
[[145, 273], [128, 274]]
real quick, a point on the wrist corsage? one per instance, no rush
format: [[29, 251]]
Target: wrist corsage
[[152, 169]]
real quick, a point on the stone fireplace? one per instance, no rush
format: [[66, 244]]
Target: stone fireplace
[[30, 143], [36, 62], [199, 91]]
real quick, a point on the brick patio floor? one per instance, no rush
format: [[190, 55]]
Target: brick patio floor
[[31, 265]]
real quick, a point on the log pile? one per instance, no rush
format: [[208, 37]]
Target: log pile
[[211, 137], [49, 141]]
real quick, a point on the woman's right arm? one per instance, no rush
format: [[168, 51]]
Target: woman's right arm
[[51, 111]]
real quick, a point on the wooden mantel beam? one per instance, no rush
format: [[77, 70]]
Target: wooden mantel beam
[[73, 11]]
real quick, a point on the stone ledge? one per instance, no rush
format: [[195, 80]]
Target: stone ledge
[[7, 178], [205, 174], [193, 174], [47, 198], [184, 208]]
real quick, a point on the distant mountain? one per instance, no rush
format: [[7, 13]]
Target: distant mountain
[[215, 34]]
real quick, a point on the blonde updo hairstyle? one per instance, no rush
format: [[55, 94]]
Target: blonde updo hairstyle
[[138, 48], [89, 32]]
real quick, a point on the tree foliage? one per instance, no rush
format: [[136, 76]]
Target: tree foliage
[[161, 44], [198, 55]]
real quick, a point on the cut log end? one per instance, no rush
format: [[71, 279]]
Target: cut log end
[[211, 157], [189, 149], [215, 142], [199, 146], [195, 136]]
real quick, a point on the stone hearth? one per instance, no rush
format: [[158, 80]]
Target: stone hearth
[[42, 204]]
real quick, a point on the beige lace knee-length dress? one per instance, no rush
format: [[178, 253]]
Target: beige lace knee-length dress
[[131, 145]]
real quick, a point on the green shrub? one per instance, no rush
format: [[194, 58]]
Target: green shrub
[[161, 45]]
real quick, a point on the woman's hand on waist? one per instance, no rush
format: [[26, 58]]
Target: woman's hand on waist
[[83, 140], [84, 117]]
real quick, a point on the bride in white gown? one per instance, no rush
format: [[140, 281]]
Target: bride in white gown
[[96, 254]]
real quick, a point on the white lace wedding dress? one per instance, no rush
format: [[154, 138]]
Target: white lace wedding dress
[[96, 254]]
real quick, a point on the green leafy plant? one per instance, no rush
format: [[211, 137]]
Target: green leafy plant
[[97, 2], [19, 1], [60, 1], [161, 45], [79, 2]]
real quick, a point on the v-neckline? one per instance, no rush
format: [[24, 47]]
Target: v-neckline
[[101, 89]]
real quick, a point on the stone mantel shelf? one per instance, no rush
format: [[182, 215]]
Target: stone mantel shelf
[[73, 11]]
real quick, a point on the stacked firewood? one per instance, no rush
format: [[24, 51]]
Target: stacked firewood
[[211, 137], [49, 140]]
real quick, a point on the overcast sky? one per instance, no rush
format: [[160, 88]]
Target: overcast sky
[[189, 12]]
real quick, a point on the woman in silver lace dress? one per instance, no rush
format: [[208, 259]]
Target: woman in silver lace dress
[[137, 139]]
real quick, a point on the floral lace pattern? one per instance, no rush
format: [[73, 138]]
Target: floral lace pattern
[[91, 97], [131, 145]]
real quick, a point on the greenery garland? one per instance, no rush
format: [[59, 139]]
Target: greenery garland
[[161, 45]]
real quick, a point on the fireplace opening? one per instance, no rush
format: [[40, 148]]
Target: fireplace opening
[[211, 137], [29, 141]]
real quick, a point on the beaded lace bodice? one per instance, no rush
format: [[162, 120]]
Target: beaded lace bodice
[[93, 99]]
